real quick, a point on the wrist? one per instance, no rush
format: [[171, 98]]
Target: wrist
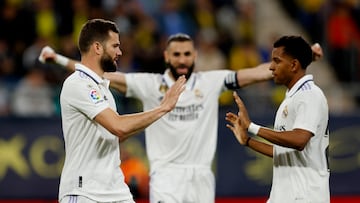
[[62, 60], [247, 141], [254, 128]]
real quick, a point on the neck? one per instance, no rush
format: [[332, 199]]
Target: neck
[[294, 80], [171, 75], [92, 64]]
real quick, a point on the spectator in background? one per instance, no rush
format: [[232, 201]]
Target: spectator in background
[[173, 18], [148, 45], [8, 78], [135, 168], [208, 52], [6, 84], [310, 15], [203, 12], [46, 20], [33, 96], [18, 30], [4, 99], [244, 53], [120, 14], [343, 36]]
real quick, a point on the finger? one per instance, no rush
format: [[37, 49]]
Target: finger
[[230, 127], [230, 114], [179, 84], [231, 117], [179, 81], [238, 101]]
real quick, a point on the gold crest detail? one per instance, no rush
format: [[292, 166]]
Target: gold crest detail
[[198, 94], [285, 112], [163, 88]]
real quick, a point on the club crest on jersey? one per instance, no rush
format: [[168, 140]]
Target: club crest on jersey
[[285, 112], [163, 88], [198, 94], [95, 96]]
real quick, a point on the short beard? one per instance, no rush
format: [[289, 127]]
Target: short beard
[[176, 75], [107, 64]]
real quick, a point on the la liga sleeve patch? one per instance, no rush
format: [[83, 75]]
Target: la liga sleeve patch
[[95, 96]]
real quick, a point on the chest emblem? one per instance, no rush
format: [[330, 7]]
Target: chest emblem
[[198, 94], [163, 88], [285, 112]]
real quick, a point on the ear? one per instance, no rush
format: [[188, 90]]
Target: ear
[[295, 65], [166, 56], [98, 48]]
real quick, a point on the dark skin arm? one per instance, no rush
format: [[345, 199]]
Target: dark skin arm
[[239, 124]]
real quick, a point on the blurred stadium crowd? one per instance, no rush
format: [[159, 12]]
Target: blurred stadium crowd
[[225, 31]]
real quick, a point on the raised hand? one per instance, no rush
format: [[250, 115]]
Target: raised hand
[[235, 126], [317, 51], [47, 54], [240, 122], [173, 93], [243, 114]]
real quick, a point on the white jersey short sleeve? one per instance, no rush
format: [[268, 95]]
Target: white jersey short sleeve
[[92, 160], [188, 134], [302, 176]]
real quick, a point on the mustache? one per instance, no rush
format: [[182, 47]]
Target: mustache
[[182, 66], [175, 74]]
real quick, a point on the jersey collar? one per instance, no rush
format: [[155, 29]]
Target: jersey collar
[[190, 83], [299, 84], [91, 74]]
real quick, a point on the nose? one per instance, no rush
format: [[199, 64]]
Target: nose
[[182, 59], [119, 53], [272, 67]]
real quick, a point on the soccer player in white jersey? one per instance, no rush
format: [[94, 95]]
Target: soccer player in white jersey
[[181, 145], [300, 138], [91, 126]]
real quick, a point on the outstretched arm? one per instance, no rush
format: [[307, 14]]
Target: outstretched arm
[[262, 72], [296, 138], [48, 55], [124, 126]]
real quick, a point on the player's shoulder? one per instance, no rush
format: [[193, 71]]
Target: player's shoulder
[[77, 77], [310, 88], [77, 82], [218, 73], [143, 77]]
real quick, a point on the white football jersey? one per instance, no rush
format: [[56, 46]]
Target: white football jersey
[[302, 176], [188, 134], [92, 161]]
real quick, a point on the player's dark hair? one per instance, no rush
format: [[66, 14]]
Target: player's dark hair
[[95, 30], [178, 37], [296, 47]]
